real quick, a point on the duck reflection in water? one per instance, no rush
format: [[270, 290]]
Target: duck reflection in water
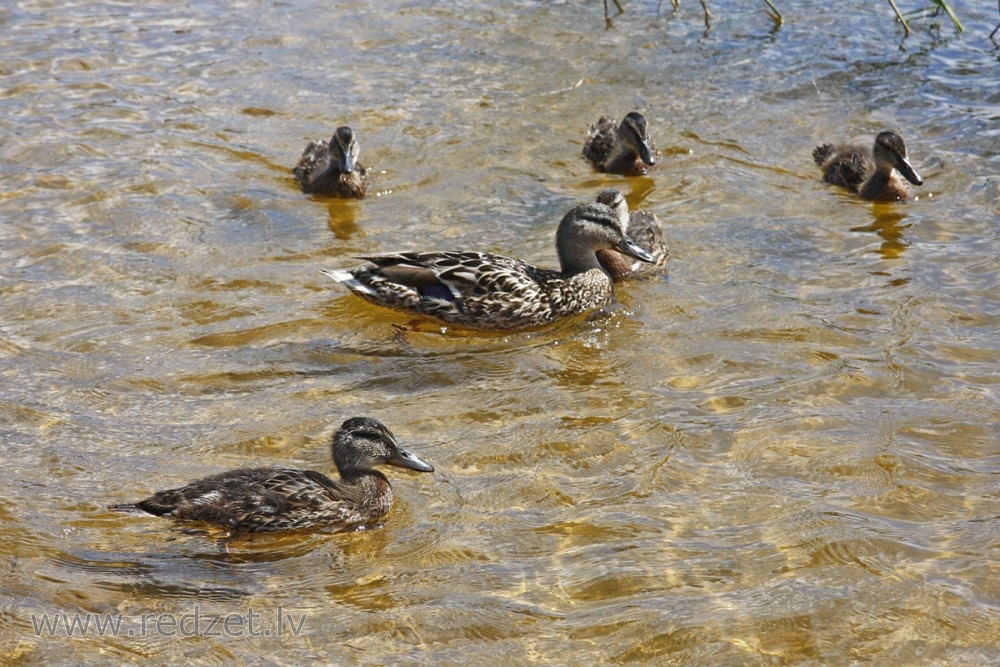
[[887, 225], [342, 218]]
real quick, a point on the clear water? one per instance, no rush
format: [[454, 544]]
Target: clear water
[[784, 452]]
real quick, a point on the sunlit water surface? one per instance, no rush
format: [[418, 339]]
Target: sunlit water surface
[[784, 452]]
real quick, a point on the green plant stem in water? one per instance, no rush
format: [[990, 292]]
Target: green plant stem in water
[[899, 17], [940, 4], [776, 14], [947, 10]]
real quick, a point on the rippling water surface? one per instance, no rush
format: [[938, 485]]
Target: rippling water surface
[[784, 452]]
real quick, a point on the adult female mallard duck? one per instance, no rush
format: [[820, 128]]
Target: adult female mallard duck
[[493, 292], [621, 148], [332, 168], [269, 499], [871, 174], [643, 228]]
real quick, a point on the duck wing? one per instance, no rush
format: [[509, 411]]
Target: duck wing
[[602, 140], [454, 276], [291, 498], [848, 165], [258, 499], [477, 290], [314, 161]]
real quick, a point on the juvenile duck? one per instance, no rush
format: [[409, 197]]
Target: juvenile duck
[[493, 292], [621, 149], [872, 175], [332, 168], [269, 499], [643, 228]]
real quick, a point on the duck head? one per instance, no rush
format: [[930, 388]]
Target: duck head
[[362, 443], [344, 146], [615, 200], [632, 133], [588, 228], [890, 151]]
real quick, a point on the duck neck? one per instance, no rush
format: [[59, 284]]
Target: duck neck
[[577, 257], [621, 158], [356, 476], [369, 488], [877, 184]]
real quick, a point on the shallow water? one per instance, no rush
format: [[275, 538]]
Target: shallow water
[[784, 452]]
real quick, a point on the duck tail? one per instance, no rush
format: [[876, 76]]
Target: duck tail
[[347, 278], [822, 153], [125, 507]]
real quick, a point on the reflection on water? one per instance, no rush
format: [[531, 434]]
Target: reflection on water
[[886, 224], [785, 453], [343, 219]]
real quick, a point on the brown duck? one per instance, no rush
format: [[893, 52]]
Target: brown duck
[[643, 228], [621, 148], [332, 168], [873, 174], [270, 499], [493, 292]]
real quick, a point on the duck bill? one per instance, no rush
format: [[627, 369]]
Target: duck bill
[[909, 173], [646, 153], [629, 247], [405, 459], [346, 162]]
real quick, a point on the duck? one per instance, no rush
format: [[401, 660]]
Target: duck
[[492, 292], [275, 499], [621, 148], [643, 228], [332, 168], [871, 174]]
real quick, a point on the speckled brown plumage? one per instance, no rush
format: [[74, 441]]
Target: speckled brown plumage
[[270, 499], [643, 227], [331, 168], [493, 292], [872, 174], [623, 148]]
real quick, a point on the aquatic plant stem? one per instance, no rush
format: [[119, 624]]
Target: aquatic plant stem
[[947, 10], [899, 16], [776, 15]]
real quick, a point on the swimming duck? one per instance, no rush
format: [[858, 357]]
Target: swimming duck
[[621, 148], [872, 175], [493, 292], [332, 168], [269, 499], [643, 228]]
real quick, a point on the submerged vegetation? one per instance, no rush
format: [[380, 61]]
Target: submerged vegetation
[[936, 6], [933, 9]]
